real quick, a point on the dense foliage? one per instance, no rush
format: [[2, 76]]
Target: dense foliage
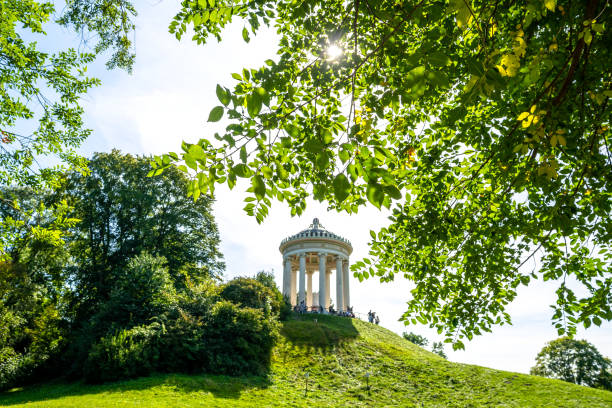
[[129, 284], [41, 120], [124, 213], [575, 361], [228, 339], [254, 293], [482, 125]]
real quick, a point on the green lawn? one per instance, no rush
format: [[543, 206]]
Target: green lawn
[[336, 352]]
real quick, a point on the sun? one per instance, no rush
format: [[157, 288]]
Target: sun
[[333, 52]]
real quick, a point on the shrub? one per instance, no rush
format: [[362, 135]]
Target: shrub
[[259, 293], [267, 279], [248, 292], [125, 354], [239, 340], [230, 340], [142, 290], [285, 310], [14, 367], [198, 298]]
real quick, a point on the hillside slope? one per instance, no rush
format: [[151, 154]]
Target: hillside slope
[[337, 353]]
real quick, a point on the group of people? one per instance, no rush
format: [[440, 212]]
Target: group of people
[[346, 313], [372, 318], [302, 308]]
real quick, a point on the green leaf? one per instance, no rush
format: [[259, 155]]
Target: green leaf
[[343, 155], [196, 152], [223, 95], [242, 170], [352, 170], [393, 192], [342, 187], [266, 171], [254, 103], [259, 187], [243, 154], [464, 15], [375, 194], [215, 114], [245, 35], [439, 59], [322, 160]]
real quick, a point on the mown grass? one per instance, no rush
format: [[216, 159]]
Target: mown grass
[[336, 353]]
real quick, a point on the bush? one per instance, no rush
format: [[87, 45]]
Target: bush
[[125, 354], [267, 279], [230, 340], [239, 340], [248, 292], [259, 293], [15, 367], [198, 298], [142, 290], [285, 310]]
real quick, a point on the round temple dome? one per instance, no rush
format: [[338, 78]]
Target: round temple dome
[[316, 234], [316, 250]]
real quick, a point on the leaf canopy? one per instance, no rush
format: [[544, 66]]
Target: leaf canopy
[[482, 125]]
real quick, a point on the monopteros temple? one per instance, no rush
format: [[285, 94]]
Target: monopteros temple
[[316, 250]]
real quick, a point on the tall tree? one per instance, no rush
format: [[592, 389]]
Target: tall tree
[[41, 120], [123, 213], [575, 361], [33, 285], [483, 125]]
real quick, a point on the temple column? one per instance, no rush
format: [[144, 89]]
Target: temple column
[[328, 288], [293, 287], [345, 281], [287, 278], [339, 285], [322, 280], [309, 290], [302, 293]]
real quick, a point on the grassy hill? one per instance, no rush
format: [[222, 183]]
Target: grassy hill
[[336, 352]]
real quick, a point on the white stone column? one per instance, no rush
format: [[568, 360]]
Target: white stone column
[[302, 293], [328, 288], [293, 287], [322, 280], [309, 290], [287, 278], [345, 281], [339, 285]]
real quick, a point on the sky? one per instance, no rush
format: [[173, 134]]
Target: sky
[[167, 99]]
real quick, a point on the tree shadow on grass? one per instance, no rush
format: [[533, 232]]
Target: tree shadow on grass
[[220, 386], [318, 332]]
